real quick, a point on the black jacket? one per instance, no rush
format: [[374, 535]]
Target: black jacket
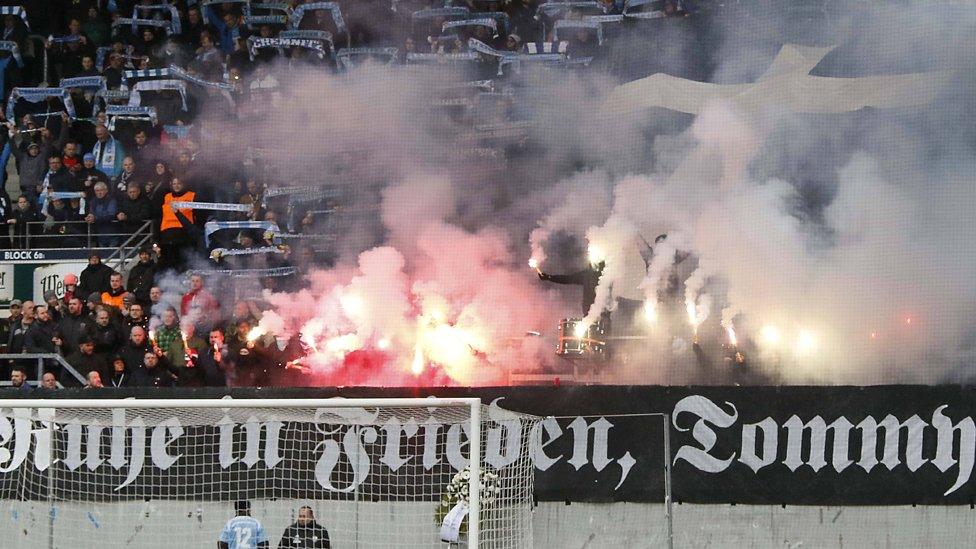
[[108, 339], [587, 278], [157, 377], [83, 364], [310, 536], [141, 279], [38, 337], [63, 181], [94, 278], [136, 212], [133, 355], [71, 328]]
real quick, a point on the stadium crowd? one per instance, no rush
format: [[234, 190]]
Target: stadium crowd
[[105, 155]]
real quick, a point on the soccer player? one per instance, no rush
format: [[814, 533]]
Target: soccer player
[[243, 531], [305, 533]]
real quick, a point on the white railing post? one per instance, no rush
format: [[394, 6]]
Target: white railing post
[[474, 510]]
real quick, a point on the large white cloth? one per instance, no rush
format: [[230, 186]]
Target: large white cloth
[[786, 83]]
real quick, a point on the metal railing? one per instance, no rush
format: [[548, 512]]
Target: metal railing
[[129, 248], [46, 235], [41, 358], [40, 235]]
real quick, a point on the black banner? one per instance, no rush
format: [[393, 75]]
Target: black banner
[[891, 445]]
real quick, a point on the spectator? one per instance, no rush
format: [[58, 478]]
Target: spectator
[[108, 339], [211, 361], [49, 382], [88, 174], [6, 324], [41, 335], [193, 28], [70, 158], [67, 54], [108, 152], [7, 219], [18, 379], [70, 286], [25, 217], [32, 159], [228, 28], [136, 346], [84, 360], [114, 72], [120, 373], [137, 316], [134, 210], [115, 291], [18, 331], [95, 27], [59, 179], [142, 276], [305, 533], [198, 303], [120, 183], [102, 212], [143, 153], [55, 307], [64, 231], [153, 373], [128, 298], [155, 297], [174, 234], [169, 339], [94, 381], [75, 324], [95, 277]]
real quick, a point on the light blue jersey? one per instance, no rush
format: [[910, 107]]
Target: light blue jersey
[[243, 532]]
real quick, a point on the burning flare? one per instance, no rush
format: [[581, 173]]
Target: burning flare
[[417, 366], [255, 333]]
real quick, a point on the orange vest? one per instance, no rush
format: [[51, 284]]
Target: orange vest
[[115, 301], [170, 221]]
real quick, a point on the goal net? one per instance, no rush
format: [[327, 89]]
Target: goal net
[[373, 473]]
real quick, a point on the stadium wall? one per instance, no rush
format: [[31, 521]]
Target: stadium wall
[[752, 467], [555, 525]]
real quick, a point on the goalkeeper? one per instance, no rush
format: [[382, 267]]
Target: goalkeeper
[[243, 531], [305, 533]]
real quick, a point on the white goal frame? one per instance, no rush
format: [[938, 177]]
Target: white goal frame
[[473, 405]]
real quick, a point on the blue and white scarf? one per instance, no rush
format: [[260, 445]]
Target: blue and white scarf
[[109, 157], [36, 95], [128, 112], [215, 206], [95, 83], [174, 16], [247, 273], [254, 43], [67, 39], [135, 96], [14, 49], [213, 226], [345, 56], [17, 11], [433, 13], [299, 13]]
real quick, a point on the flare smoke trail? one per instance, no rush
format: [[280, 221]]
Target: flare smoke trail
[[818, 228]]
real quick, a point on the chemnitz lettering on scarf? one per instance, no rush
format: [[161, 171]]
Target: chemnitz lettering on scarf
[[703, 417], [129, 451]]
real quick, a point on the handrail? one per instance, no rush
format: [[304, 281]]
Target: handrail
[[41, 357], [87, 235], [144, 233]]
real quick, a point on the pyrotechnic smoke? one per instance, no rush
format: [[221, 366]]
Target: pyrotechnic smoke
[[587, 203], [815, 229]]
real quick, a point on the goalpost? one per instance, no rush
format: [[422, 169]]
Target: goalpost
[[167, 473]]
